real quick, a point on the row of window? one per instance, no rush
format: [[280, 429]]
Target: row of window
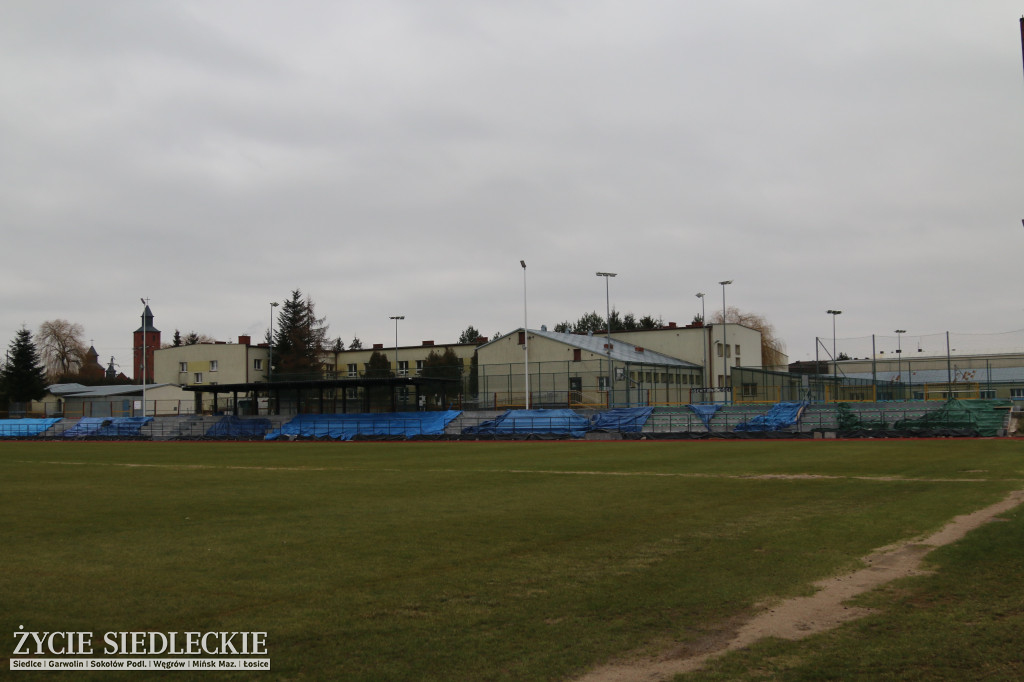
[[665, 378], [728, 350], [183, 366]]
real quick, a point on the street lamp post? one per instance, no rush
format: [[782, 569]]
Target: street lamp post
[[270, 361], [144, 329], [725, 345], [835, 360], [608, 331], [899, 358], [396, 318], [526, 340], [704, 342]]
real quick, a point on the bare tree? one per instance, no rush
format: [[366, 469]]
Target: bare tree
[[62, 347], [773, 349]]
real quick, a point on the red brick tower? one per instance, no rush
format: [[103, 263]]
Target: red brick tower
[[149, 336]]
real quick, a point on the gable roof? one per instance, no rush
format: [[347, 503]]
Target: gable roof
[[621, 351]]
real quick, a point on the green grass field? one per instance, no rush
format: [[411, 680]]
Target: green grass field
[[510, 561]]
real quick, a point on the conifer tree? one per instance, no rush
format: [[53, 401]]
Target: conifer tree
[[300, 338], [23, 377]]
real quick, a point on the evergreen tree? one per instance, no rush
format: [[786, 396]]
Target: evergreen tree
[[590, 322], [648, 322], [356, 344], [300, 338], [378, 365], [470, 335], [176, 341], [23, 377], [191, 339], [445, 365]]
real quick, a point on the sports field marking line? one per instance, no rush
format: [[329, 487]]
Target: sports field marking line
[[801, 617], [550, 472]]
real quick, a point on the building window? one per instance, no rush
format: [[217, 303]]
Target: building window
[[198, 378], [737, 347], [419, 367], [403, 368], [353, 369], [718, 347], [182, 366], [577, 354], [987, 394], [257, 364], [749, 390], [602, 383], [1017, 393], [213, 365]]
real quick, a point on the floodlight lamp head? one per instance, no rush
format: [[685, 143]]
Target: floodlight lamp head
[[834, 312], [728, 281], [901, 331], [523, 263], [700, 295], [274, 304]]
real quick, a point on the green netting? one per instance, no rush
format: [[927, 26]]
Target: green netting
[[987, 417], [848, 421]]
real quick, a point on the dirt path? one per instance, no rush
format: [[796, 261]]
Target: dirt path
[[804, 616]]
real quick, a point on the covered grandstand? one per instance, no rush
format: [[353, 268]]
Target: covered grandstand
[[953, 418]]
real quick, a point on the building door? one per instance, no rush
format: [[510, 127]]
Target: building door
[[575, 390]]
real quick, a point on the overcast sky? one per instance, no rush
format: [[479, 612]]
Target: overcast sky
[[400, 157]]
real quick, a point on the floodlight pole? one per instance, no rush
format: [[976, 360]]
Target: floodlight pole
[[526, 340], [725, 345], [704, 342], [835, 359], [396, 318], [270, 362], [899, 358], [608, 332]]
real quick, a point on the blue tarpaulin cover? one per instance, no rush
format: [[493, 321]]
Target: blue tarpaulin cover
[[779, 417], [622, 419], [556, 422], [236, 427], [108, 427], [347, 426], [22, 428], [705, 412]]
